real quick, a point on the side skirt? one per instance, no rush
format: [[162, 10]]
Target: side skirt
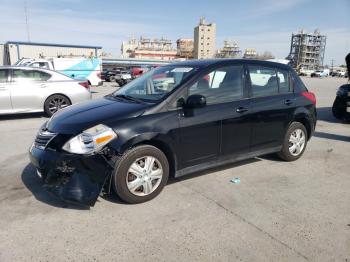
[[225, 160]]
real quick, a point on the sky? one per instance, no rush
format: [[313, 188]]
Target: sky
[[266, 25]]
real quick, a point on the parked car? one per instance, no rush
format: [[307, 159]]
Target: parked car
[[341, 104], [123, 78], [80, 68], [319, 73], [213, 112], [28, 90]]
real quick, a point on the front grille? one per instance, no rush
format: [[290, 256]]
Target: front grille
[[43, 138]]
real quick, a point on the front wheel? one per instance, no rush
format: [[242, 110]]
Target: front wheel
[[140, 174], [55, 103], [294, 142], [338, 108]]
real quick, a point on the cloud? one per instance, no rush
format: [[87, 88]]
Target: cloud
[[70, 27], [269, 7]]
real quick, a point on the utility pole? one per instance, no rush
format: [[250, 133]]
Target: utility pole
[[26, 15], [332, 61]]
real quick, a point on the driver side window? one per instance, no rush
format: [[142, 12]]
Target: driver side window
[[222, 85]]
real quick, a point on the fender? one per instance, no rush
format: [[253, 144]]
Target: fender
[[303, 115]]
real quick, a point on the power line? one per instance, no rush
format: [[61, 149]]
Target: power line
[[27, 24]]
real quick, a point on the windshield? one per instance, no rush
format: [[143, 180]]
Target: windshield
[[156, 84]]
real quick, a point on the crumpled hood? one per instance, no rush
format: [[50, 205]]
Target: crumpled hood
[[106, 110]]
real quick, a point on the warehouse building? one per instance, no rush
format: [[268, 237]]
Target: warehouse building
[[12, 51]]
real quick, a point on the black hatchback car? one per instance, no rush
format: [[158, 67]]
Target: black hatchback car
[[174, 120]]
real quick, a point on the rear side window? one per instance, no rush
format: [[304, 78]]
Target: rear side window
[[3, 76], [264, 81], [297, 81], [283, 80], [29, 75], [224, 84], [41, 65]]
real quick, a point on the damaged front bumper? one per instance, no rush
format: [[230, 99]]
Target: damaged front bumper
[[72, 178]]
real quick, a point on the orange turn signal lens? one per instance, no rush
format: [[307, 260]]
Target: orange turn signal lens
[[103, 139]]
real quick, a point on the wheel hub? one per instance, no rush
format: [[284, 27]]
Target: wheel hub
[[144, 176], [296, 142]]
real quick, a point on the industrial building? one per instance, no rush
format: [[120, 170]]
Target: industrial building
[[185, 48], [250, 53], [307, 50], [12, 51], [128, 47], [229, 50], [204, 40], [148, 48]]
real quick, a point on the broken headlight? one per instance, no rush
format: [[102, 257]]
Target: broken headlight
[[90, 140]]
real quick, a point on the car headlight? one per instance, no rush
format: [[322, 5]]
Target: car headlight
[[90, 140]]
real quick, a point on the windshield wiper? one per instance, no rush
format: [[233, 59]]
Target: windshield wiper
[[130, 98]]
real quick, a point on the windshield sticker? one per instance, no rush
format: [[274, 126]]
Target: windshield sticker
[[182, 69]]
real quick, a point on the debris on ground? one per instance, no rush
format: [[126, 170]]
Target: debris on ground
[[235, 180]]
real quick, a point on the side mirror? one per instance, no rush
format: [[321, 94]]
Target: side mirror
[[196, 101]]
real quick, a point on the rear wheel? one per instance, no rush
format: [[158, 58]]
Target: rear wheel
[[55, 103], [140, 174], [294, 143]]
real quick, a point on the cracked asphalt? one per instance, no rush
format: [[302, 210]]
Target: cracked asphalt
[[298, 211]]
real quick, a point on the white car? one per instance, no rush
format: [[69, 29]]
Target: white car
[[28, 90]]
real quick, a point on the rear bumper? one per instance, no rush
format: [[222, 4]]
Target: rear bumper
[[70, 177]]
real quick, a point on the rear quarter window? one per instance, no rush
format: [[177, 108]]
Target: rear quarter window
[[298, 84]]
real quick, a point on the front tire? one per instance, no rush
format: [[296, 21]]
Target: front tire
[[54, 103], [294, 143], [338, 108], [140, 174]]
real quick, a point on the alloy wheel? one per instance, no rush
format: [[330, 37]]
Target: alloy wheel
[[57, 103]]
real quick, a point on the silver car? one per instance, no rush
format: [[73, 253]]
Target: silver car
[[27, 90]]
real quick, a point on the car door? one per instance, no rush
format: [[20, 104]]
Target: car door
[[5, 95], [28, 89], [236, 115], [272, 105], [201, 128]]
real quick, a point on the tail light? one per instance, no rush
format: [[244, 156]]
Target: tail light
[[310, 96], [85, 84]]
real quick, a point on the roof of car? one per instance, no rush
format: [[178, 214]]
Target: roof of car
[[208, 62], [27, 68]]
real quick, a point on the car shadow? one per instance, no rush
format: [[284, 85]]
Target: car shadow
[[173, 180], [331, 136], [22, 116], [325, 114], [34, 184]]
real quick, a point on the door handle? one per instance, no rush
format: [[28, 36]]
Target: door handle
[[288, 102], [43, 85], [241, 109]]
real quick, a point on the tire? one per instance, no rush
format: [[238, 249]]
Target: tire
[[338, 109], [54, 103], [287, 146], [146, 186], [111, 79]]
